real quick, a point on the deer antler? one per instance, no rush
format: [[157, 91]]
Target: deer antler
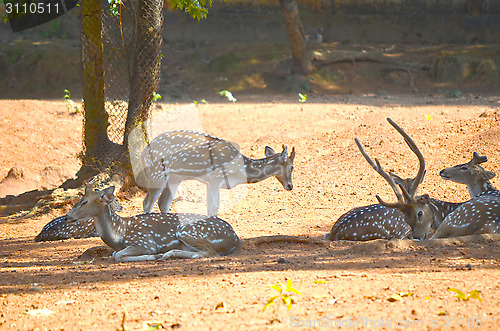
[[478, 159], [421, 171], [403, 194], [378, 168]]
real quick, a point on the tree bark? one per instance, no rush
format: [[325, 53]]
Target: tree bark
[[301, 63], [146, 64], [96, 140]]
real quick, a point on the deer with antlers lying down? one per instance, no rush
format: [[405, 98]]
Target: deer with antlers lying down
[[419, 212]]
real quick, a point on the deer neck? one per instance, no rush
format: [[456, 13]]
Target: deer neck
[[111, 228], [480, 187], [441, 209], [260, 169]]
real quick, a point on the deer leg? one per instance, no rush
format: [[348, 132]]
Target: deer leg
[[213, 198], [151, 197], [180, 254], [168, 195], [132, 254]]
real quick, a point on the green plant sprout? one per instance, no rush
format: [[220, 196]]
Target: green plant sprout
[[302, 99], [156, 96], [228, 95], [284, 294], [70, 104], [114, 7], [474, 294], [201, 101]]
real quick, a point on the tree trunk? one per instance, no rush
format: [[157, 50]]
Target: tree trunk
[[97, 143], [301, 63], [146, 64]]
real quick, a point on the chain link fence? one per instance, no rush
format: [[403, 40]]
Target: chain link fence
[[124, 86]]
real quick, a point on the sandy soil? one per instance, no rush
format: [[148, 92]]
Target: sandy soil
[[342, 283]]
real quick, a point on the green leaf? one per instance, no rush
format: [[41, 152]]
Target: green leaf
[[320, 281], [286, 299], [154, 326], [228, 95], [289, 287], [475, 294], [276, 287], [270, 301], [302, 97], [460, 295]]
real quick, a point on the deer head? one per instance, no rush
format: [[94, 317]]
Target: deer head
[[286, 161], [471, 174], [92, 202]]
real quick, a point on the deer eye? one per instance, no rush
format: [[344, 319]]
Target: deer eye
[[463, 168], [84, 202], [420, 213], [291, 168]]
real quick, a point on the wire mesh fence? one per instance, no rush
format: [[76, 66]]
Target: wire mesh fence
[[123, 52]]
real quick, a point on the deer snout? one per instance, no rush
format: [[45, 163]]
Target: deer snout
[[420, 237], [443, 175], [288, 186]]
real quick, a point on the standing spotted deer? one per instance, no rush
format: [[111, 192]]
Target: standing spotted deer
[[175, 156], [154, 236], [479, 215]]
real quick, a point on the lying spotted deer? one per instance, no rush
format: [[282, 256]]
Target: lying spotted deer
[[417, 211], [154, 236], [371, 222], [479, 215], [59, 228], [471, 174], [175, 156], [379, 222]]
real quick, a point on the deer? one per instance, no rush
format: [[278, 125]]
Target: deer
[[471, 174], [175, 156], [379, 222], [481, 214], [417, 210], [154, 236], [60, 229], [369, 223]]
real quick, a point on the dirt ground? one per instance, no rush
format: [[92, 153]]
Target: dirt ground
[[45, 286]]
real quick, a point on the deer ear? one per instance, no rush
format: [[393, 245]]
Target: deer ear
[[90, 186], [425, 198], [107, 196], [269, 151], [489, 175], [292, 154], [284, 153]]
